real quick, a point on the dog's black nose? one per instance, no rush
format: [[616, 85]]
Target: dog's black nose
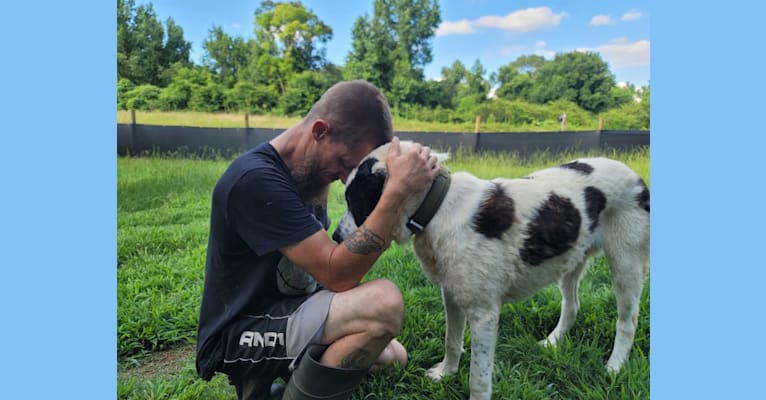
[[336, 236]]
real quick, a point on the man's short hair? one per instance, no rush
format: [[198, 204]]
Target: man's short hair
[[357, 112]]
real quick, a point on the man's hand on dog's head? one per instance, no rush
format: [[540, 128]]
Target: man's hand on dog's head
[[410, 171]]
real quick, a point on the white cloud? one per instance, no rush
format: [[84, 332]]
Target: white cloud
[[527, 20], [621, 53], [462, 27], [631, 16], [599, 20], [540, 44]]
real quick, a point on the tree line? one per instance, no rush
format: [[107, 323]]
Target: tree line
[[282, 69]]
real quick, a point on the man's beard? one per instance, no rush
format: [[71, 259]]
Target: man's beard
[[312, 186]]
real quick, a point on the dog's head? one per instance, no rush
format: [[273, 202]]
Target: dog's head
[[364, 187]]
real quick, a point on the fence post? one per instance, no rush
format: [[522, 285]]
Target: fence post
[[132, 117], [478, 124], [247, 121], [600, 123]]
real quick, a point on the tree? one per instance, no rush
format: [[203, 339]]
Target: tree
[[288, 40], [582, 78], [250, 98], [143, 54], [528, 64], [176, 49], [303, 90], [225, 55], [370, 56], [477, 86], [452, 78], [178, 93], [516, 79], [391, 48]]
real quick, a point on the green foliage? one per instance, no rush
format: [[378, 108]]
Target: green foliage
[[143, 53], [631, 116], [208, 97], [142, 97], [302, 91], [291, 31], [476, 85], [282, 70], [124, 85], [506, 114], [225, 55], [369, 58], [192, 88], [582, 78], [391, 47], [250, 98], [287, 42]]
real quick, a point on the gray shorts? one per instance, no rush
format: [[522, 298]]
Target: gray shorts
[[267, 345]]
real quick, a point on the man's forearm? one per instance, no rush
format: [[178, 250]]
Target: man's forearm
[[351, 260]]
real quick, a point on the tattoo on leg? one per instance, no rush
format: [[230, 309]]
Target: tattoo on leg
[[364, 241], [359, 358]]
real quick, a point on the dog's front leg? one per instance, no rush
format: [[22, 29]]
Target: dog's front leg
[[453, 338], [484, 323]]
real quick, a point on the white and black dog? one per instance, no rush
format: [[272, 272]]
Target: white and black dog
[[491, 242]]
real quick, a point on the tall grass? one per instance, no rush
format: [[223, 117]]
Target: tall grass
[[229, 120], [163, 211]]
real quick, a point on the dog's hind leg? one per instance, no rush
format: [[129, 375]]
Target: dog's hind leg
[[484, 323], [569, 286], [629, 262], [453, 338]]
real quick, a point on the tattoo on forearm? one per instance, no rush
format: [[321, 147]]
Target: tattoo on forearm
[[364, 241], [359, 358]]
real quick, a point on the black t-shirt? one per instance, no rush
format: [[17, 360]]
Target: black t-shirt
[[256, 210]]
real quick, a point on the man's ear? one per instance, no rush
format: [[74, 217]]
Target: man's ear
[[319, 129]]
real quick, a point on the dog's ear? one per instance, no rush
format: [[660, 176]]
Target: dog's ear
[[364, 190]]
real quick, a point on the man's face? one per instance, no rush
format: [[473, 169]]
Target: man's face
[[329, 161]]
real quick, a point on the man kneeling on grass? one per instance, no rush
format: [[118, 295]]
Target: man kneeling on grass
[[281, 299]]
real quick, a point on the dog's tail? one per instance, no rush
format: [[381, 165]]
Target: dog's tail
[[627, 186]]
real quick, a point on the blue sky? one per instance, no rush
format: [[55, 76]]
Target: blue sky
[[495, 32]]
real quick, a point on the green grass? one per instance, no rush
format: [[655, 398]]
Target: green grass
[[228, 120], [163, 211]]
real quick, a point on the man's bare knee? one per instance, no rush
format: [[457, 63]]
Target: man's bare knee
[[386, 307], [375, 308]]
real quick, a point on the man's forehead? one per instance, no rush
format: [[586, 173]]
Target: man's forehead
[[361, 151]]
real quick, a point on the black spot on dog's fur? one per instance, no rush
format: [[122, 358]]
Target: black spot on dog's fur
[[582, 168], [363, 193], [495, 215], [595, 202], [553, 231], [643, 197]]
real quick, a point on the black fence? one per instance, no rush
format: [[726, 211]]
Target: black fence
[[141, 139]]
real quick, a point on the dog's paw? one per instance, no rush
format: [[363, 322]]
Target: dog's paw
[[439, 371], [613, 366], [548, 342]]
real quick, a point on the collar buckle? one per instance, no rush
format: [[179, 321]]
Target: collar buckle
[[414, 226]]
